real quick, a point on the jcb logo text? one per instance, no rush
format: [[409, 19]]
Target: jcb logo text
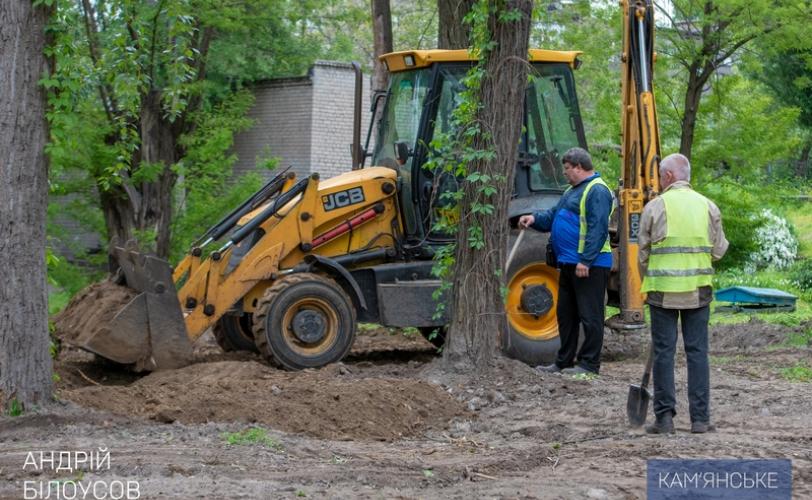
[[343, 198]]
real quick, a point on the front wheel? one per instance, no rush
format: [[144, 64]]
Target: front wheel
[[532, 335], [304, 321]]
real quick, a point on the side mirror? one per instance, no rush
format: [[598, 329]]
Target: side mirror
[[402, 152]]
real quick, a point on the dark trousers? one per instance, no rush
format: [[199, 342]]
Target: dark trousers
[[695, 336], [581, 302]]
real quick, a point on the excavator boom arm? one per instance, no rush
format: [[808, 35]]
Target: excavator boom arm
[[640, 150]]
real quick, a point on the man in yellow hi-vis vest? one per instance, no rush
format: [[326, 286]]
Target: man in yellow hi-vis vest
[[680, 236], [579, 228]]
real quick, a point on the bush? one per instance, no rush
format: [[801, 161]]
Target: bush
[[778, 247], [801, 275], [737, 206]]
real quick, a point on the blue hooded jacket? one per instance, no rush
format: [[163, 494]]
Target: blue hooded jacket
[[563, 223]]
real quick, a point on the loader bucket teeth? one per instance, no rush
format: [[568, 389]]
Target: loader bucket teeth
[[149, 332]]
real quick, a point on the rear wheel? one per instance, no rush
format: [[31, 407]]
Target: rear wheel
[[531, 302], [235, 333], [304, 321]]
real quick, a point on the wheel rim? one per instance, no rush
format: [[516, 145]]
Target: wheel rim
[[534, 285], [314, 310]]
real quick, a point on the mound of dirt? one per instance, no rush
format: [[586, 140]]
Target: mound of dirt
[[752, 335], [91, 310], [327, 403]]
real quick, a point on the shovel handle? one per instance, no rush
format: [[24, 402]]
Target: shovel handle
[[516, 246], [649, 364]]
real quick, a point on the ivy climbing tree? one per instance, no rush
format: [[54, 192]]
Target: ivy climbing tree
[[483, 150]]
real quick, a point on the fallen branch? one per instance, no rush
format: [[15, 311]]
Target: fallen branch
[[87, 378], [483, 475]]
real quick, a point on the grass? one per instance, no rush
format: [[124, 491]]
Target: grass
[[408, 331], [252, 436], [15, 408], [800, 339], [799, 372], [801, 217], [57, 301], [725, 360]]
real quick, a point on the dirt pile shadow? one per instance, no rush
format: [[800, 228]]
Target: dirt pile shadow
[[327, 403], [623, 345]]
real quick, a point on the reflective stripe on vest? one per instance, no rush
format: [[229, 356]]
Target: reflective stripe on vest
[[682, 261], [582, 216]]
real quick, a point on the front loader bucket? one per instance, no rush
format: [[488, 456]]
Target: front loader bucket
[[148, 332]]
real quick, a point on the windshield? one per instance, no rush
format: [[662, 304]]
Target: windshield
[[551, 126], [400, 123]]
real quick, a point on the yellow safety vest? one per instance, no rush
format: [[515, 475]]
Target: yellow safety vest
[[682, 261], [582, 216]]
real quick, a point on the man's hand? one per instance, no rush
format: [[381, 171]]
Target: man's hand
[[526, 221], [581, 271]]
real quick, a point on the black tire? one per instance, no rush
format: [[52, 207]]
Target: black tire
[[325, 302], [533, 340], [437, 339], [235, 333]]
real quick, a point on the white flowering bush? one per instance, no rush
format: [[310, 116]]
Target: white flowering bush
[[777, 246]]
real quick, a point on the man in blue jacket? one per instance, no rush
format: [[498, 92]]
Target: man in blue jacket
[[579, 227]]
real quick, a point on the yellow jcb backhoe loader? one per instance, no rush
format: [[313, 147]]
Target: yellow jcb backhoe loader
[[299, 263]]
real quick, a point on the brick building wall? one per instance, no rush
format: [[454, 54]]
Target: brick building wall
[[281, 128], [306, 122]]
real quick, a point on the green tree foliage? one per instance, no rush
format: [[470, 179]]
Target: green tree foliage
[[154, 88], [788, 73], [701, 37], [593, 28], [743, 132]]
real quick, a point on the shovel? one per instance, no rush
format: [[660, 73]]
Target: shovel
[[637, 402], [516, 246]]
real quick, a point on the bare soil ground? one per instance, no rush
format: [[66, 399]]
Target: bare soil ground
[[389, 423]]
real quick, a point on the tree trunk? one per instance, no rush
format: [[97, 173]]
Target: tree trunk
[[158, 146], [453, 32], [142, 211], [25, 361], [382, 41], [478, 317], [802, 165], [693, 95]]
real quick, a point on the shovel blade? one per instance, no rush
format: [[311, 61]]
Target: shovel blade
[[637, 405]]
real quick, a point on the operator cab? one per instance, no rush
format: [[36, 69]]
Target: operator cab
[[424, 89]]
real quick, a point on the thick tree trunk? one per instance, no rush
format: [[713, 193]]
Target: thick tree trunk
[[478, 317], [382, 41], [134, 211], [25, 361], [453, 32], [158, 146]]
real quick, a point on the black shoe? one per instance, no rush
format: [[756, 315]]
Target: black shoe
[[663, 425], [702, 427], [553, 368]]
